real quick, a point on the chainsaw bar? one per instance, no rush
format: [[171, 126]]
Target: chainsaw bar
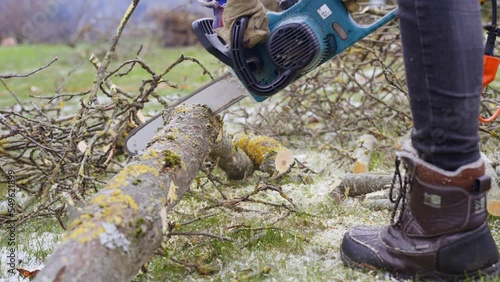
[[219, 94]]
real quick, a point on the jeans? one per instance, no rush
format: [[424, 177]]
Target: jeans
[[443, 56]]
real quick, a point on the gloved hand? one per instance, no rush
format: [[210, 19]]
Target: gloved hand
[[271, 5], [352, 5], [257, 30]]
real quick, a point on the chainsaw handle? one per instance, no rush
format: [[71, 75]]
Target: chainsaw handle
[[203, 28], [368, 29], [355, 31], [244, 71]]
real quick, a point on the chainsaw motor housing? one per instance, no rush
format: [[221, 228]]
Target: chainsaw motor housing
[[301, 38]]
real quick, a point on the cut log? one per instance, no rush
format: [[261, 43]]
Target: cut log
[[362, 154], [493, 206], [378, 200], [359, 184], [124, 224], [267, 154]]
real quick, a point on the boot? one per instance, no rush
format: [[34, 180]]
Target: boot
[[438, 229]]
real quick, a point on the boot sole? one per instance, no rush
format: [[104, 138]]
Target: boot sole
[[491, 271]]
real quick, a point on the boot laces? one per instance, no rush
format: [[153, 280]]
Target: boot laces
[[399, 198]]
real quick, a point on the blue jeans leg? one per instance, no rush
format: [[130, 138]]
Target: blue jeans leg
[[443, 56]]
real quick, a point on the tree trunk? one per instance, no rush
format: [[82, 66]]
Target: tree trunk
[[124, 223]]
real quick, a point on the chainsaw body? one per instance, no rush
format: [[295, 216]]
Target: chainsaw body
[[304, 36]]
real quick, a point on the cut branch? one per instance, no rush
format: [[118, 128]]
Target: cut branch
[[267, 154], [124, 223], [234, 162], [359, 184]]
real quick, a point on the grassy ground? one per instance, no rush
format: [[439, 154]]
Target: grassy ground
[[73, 73], [264, 242]]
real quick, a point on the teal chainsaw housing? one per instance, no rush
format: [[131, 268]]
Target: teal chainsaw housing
[[302, 37]]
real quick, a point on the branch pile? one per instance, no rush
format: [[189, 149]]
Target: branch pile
[[58, 155]]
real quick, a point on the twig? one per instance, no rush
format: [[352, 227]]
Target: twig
[[13, 75], [12, 94], [222, 238], [4, 121]]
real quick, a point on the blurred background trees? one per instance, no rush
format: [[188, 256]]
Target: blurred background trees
[[72, 21]]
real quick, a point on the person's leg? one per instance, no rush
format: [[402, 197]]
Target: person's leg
[[439, 228], [442, 47]]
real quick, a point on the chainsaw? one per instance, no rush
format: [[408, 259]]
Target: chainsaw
[[303, 36]]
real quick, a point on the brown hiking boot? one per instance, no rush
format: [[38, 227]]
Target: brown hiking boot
[[438, 229]]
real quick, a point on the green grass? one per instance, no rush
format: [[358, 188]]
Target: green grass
[[303, 246], [74, 73]]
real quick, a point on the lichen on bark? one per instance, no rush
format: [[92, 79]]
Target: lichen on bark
[[122, 226]]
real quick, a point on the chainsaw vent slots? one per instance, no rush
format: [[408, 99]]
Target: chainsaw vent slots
[[293, 46], [330, 48], [206, 26]]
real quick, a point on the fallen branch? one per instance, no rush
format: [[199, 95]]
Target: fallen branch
[[234, 162], [124, 223]]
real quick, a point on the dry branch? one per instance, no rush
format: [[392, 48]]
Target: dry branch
[[40, 142], [124, 223], [14, 75]]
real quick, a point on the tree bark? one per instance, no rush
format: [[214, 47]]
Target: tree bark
[[263, 151], [359, 184], [243, 155], [124, 223], [233, 161]]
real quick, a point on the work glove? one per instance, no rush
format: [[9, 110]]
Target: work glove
[[352, 5], [271, 5], [257, 30]]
